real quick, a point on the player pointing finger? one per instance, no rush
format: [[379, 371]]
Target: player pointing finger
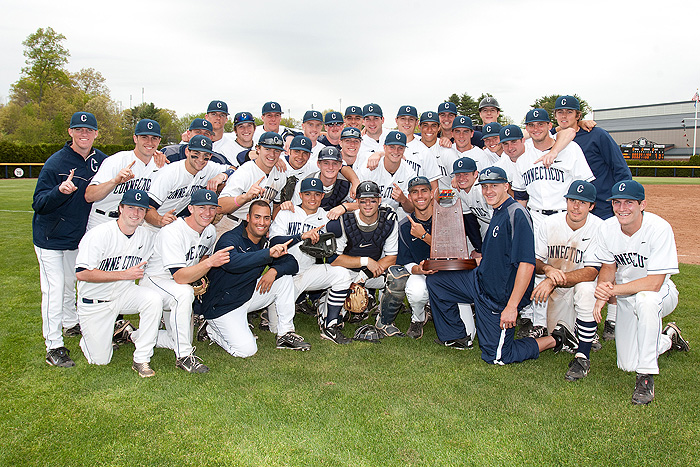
[[279, 250], [67, 187], [220, 258]]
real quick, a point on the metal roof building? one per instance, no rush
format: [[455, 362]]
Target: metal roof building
[[670, 124]]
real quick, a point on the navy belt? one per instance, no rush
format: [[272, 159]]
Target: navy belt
[[90, 301], [548, 212], [112, 214], [233, 218]]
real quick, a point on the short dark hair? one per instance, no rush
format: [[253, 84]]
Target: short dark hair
[[259, 202]]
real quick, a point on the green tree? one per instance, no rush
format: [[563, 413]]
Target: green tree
[[169, 123], [46, 58], [547, 103]]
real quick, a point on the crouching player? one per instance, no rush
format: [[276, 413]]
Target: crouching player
[[564, 242]]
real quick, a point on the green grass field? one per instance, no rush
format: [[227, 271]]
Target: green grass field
[[398, 403]]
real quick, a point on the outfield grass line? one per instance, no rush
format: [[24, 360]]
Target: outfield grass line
[[7, 210]]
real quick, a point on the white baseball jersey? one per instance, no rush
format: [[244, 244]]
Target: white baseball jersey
[[420, 159], [475, 202], [288, 223], [107, 248], [386, 182], [244, 178], [508, 165], [296, 198], [143, 173], [446, 158], [259, 130], [491, 157], [368, 146], [391, 245], [566, 249], [546, 187], [314, 152], [177, 245], [307, 169], [236, 148], [651, 250], [227, 147], [173, 185]]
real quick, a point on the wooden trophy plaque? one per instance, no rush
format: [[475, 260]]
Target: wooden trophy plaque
[[448, 248]]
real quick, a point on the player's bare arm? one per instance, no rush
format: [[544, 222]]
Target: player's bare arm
[[341, 209], [153, 218], [98, 275], [564, 137], [522, 280], [99, 192], [374, 159], [231, 203], [418, 231]]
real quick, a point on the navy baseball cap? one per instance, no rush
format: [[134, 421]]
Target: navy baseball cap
[[204, 198], [138, 198], [372, 110], [333, 117], [493, 175], [147, 126], [464, 165], [491, 129], [418, 181], [448, 107], [462, 122], [271, 107], [537, 115], [350, 132], [330, 153], [217, 106], [353, 110], [407, 111], [311, 115], [83, 120], [489, 101], [582, 191], [567, 102], [429, 116], [627, 189], [510, 133], [243, 117], [395, 138], [271, 140], [301, 142], [311, 184], [200, 143], [200, 124]]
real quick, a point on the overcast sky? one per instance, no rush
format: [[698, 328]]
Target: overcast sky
[[307, 54]]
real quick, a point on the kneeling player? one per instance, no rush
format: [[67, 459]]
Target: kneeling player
[[564, 241], [110, 258]]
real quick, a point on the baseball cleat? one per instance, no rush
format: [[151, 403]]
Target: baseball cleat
[[202, 333], [59, 357], [525, 328], [609, 331], [143, 369], [334, 334], [415, 330], [643, 390], [677, 341], [596, 345], [72, 332], [191, 364], [388, 330], [578, 368], [564, 337], [538, 331], [122, 331], [460, 344], [292, 341], [264, 321]]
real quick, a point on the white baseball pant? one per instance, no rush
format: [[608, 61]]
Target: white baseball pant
[[177, 314]]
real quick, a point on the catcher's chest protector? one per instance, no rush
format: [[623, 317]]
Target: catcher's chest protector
[[373, 242]]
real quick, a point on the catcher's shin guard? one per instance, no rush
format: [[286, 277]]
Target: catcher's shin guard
[[394, 293]]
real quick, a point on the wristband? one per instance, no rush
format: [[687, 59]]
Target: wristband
[[364, 261], [236, 201], [346, 209], [422, 237]]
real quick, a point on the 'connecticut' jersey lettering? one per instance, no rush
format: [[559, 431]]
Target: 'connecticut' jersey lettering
[[544, 173], [630, 259]]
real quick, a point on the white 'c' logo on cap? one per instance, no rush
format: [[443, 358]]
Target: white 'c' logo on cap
[[218, 105], [83, 118], [207, 196], [398, 136], [563, 102], [203, 142], [303, 142], [352, 109], [408, 109], [313, 182], [579, 188], [507, 132], [370, 108], [460, 164], [462, 120], [622, 187], [535, 113], [333, 116], [272, 106], [487, 173], [137, 196], [149, 125], [488, 99], [367, 187]]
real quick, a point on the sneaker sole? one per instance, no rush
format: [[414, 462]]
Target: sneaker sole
[[333, 340], [144, 375], [70, 364], [299, 349]]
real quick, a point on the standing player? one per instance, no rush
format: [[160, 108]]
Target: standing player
[[353, 116], [447, 112], [350, 141], [123, 171], [334, 126], [477, 212], [492, 143], [198, 126], [60, 217], [183, 254], [244, 129], [637, 256], [563, 243], [462, 131], [226, 312], [222, 143], [271, 116], [373, 139], [499, 286], [110, 258]]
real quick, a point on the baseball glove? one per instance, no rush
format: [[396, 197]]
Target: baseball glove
[[287, 191], [324, 248], [200, 286], [357, 300]]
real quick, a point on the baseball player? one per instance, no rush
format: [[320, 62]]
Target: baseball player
[[350, 142], [462, 130], [307, 221], [353, 116], [334, 126], [271, 116], [513, 143], [311, 125], [110, 258], [123, 171], [492, 143], [198, 126], [477, 212], [60, 217], [489, 111], [297, 164], [367, 244], [226, 312], [172, 187], [183, 254], [499, 286], [637, 256], [563, 243], [429, 125], [447, 111], [373, 139], [222, 143], [392, 174], [244, 129]]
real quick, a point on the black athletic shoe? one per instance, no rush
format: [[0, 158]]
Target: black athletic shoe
[[334, 334], [609, 331], [72, 332], [264, 321], [305, 308], [677, 341], [202, 333], [292, 341], [525, 328], [578, 368], [415, 330], [643, 390], [191, 364], [596, 345], [388, 330], [564, 337], [59, 357], [538, 331], [459, 344], [122, 331]]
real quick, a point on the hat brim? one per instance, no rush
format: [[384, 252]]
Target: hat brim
[[148, 133], [579, 198], [624, 196]]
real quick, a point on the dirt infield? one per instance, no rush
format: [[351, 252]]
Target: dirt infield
[[672, 202]]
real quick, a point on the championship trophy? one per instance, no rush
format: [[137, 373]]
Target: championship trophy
[[448, 248]]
